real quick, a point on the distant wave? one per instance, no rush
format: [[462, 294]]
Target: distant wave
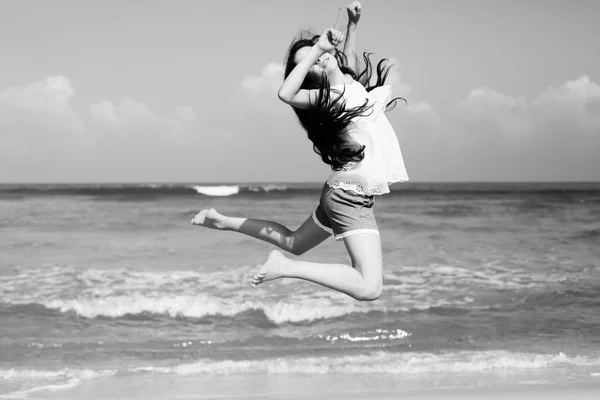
[[269, 188], [217, 190], [146, 191], [236, 189], [559, 191]]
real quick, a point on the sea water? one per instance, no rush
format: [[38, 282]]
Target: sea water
[[482, 282]]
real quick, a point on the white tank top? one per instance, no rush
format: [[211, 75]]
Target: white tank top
[[382, 164]]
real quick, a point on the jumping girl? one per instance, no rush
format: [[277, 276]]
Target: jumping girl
[[343, 115]]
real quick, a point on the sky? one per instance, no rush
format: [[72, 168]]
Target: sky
[[186, 91]]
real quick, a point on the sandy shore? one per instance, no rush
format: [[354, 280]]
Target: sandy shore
[[325, 387]]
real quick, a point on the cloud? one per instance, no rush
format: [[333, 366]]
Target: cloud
[[187, 114], [556, 136], [574, 105], [485, 100], [268, 81], [489, 135], [576, 101], [394, 79], [44, 138], [419, 108], [131, 114], [577, 93], [46, 102], [495, 112], [40, 131]]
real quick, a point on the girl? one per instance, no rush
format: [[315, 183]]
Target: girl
[[343, 116]]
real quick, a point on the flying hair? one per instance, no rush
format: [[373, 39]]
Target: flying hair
[[327, 118]]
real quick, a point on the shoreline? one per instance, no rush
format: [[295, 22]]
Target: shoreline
[[326, 387]]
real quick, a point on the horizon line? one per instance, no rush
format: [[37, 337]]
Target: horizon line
[[283, 182]]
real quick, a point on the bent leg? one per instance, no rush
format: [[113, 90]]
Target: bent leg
[[297, 242], [362, 281]]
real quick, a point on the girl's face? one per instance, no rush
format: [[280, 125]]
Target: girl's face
[[324, 65]]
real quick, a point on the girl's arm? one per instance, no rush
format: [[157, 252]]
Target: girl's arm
[[354, 11], [290, 91]]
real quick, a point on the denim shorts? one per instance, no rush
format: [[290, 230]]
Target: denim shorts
[[343, 212]]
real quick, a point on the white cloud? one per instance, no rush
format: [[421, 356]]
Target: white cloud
[[47, 101], [187, 114], [42, 137], [577, 101], [419, 108], [485, 100], [572, 106], [556, 136], [394, 79], [268, 81], [132, 114], [578, 92], [490, 111], [488, 135]]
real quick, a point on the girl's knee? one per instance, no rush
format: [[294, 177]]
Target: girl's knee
[[370, 292]]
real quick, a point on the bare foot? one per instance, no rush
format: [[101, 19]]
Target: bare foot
[[269, 270], [209, 219]]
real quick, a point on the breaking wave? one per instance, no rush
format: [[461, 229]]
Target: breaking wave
[[385, 363], [217, 190]]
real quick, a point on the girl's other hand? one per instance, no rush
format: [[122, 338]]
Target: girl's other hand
[[354, 9], [330, 39]]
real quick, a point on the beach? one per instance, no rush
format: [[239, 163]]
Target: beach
[[107, 291]]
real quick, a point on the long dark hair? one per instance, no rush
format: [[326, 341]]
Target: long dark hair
[[327, 118]]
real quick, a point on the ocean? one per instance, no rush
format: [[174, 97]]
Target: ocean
[[108, 289]]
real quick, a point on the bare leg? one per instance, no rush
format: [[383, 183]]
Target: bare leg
[[362, 281], [296, 242]]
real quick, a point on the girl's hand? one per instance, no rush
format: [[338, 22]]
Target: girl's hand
[[354, 9], [330, 39]]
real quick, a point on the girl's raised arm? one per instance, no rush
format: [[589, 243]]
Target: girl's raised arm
[[290, 91], [354, 10]]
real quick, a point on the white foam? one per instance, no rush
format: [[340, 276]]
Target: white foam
[[268, 188], [52, 387], [118, 292], [198, 306], [378, 334], [69, 373], [217, 190], [49, 379], [385, 363]]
